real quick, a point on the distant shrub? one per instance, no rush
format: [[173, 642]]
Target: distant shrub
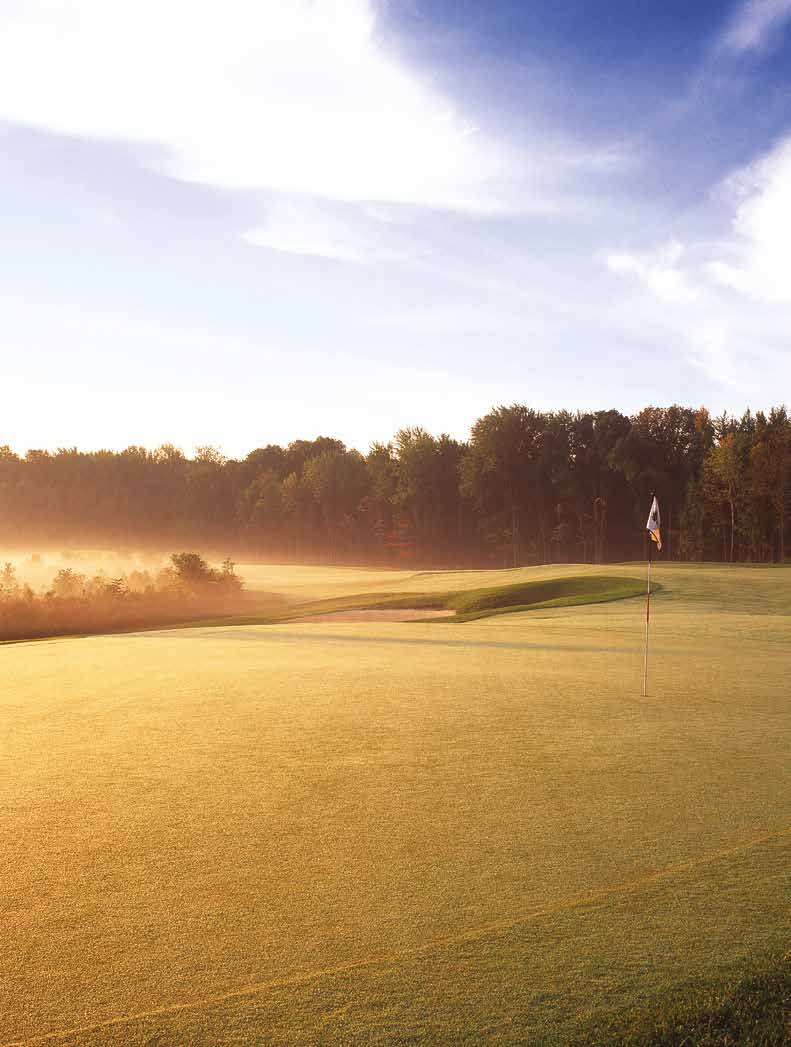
[[193, 573], [9, 586], [191, 570], [68, 585]]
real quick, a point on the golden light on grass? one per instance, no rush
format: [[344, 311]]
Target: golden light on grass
[[350, 831]]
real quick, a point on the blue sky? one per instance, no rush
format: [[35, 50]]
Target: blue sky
[[246, 223]]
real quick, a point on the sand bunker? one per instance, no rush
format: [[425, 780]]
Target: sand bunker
[[402, 614]]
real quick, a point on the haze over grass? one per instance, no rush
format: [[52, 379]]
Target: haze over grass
[[76, 603]]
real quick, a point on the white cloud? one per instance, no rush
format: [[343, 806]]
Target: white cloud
[[726, 304], [754, 23], [658, 270], [757, 259], [292, 96], [304, 228], [338, 231]]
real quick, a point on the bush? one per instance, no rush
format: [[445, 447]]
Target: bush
[[187, 589], [193, 573]]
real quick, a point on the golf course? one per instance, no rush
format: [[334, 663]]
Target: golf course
[[328, 826]]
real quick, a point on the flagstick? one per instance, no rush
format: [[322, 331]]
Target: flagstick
[[647, 617]]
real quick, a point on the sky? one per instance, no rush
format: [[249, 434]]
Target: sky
[[245, 223]]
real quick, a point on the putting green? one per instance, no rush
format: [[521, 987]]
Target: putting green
[[385, 831]]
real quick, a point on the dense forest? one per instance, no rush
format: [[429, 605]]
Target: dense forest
[[527, 487]]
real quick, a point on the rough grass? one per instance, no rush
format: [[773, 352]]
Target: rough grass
[[375, 833]]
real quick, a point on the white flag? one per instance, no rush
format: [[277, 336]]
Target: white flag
[[653, 524]]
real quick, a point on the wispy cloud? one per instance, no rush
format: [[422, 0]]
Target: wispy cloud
[[726, 302], [757, 258], [296, 97], [754, 24], [304, 228], [291, 96], [658, 270]]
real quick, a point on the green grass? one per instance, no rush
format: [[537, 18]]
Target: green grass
[[753, 1009], [379, 833], [468, 604], [538, 595]]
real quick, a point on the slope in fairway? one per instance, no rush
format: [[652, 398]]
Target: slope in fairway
[[382, 831]]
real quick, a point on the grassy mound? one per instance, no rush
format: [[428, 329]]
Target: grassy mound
[[471, 604], [754, 1010], [530, 596]]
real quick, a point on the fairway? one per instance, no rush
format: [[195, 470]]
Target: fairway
[[390, 832]]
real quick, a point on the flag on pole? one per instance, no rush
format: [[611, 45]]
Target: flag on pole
[[652, 526], [655, 534]]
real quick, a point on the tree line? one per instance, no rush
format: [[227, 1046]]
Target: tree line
[[526, 487]]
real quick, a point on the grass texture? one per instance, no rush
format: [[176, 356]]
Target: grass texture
[[399, 832]]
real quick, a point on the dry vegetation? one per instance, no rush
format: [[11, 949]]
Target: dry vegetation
[[77, 603], [348, 832]]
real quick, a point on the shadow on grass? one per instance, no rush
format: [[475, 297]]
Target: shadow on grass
[[754, 1010], [320, 636]]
